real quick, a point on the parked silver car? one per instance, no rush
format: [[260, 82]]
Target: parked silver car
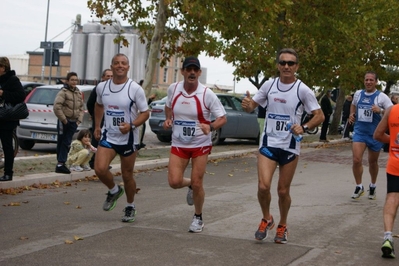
[[158, 102], [41, 124], [30, 86], [240, 124]]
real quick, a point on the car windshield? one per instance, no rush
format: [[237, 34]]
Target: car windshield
[[44, 96]]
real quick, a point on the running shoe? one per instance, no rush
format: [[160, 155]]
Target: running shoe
[[76, 168], [372, 193], [110, 202], [130, 214], [281, 234], [86, 167], [358, 192], [387, 249], [190, 199], [263, 229], [196, 225]]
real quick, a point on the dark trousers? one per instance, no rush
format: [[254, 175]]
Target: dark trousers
[[324, 127], [348, 127], [65, 134], [94, 142], [8, 150]]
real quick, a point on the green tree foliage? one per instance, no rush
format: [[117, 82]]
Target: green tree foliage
[[337, 40]]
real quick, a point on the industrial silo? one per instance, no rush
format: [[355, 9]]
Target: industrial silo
[[139, 60], [91, 27], [78, 58], [109, 50], [113, 28], [95, 43], [129, 52]]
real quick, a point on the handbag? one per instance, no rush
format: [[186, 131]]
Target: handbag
[[10, 112]]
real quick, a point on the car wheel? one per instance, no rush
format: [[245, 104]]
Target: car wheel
[[163, 138], [26, 144], [216, 137]]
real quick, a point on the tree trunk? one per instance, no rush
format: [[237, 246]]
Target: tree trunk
[[155, 47]]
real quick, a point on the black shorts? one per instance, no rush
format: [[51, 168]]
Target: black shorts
[[281, 156], [122, 150], [392, 183]]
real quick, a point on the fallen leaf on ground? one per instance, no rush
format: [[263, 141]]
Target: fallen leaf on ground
[[78, 238], [14, 204], [24, 238], [68, 242], [67, 203]]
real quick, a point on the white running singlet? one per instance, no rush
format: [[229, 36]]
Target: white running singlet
[[284, 103], [122, 103], [189, 110]]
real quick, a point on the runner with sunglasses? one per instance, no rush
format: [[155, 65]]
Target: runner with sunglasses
[[285, 99]]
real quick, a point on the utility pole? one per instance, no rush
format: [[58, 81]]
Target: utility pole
[[45, 40]]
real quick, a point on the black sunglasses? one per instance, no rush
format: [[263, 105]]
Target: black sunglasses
[[289, 63]]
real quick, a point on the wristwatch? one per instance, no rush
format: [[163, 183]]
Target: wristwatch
[[305, 128], [211, 127], [133, 127]]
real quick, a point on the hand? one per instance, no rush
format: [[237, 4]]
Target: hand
[[352, 118], [376, 109], [124, 127], [167, 124], [97, 133], [206, 128], [246, 102]]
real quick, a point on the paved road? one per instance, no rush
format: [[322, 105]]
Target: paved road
[[326, 227]]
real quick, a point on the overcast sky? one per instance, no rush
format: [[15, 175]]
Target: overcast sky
[[23, 27]]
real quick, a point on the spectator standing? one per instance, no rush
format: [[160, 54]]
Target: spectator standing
[[68, 107], [285, 98], [326, 107], [142, 133], [80, 152], [389, 123], [106, 75], [188, 110], [11, 91], [348, 127], [366, 111], [122, 103]]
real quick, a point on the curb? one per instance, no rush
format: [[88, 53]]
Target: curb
[[48, 178]]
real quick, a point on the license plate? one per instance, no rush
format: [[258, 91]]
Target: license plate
[[45, 136]]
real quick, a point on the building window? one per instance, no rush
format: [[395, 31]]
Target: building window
[[165, 74], [175, 76]]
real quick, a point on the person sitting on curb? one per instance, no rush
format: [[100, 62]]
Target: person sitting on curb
[[81, 152]]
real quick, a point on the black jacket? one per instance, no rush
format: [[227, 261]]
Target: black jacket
[[13, 93], [326, 106]]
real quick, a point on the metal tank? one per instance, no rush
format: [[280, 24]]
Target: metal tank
[[91, 27], [109, 50], [95, 43], [139, 60], [204, 74], [129, 52], [78, 54], [114, 28]]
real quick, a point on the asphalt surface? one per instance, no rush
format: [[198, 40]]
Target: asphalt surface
[[66, 225]]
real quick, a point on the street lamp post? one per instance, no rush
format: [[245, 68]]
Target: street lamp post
[[45, 40]]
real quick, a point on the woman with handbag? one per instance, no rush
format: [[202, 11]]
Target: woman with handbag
[[12, 92]]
